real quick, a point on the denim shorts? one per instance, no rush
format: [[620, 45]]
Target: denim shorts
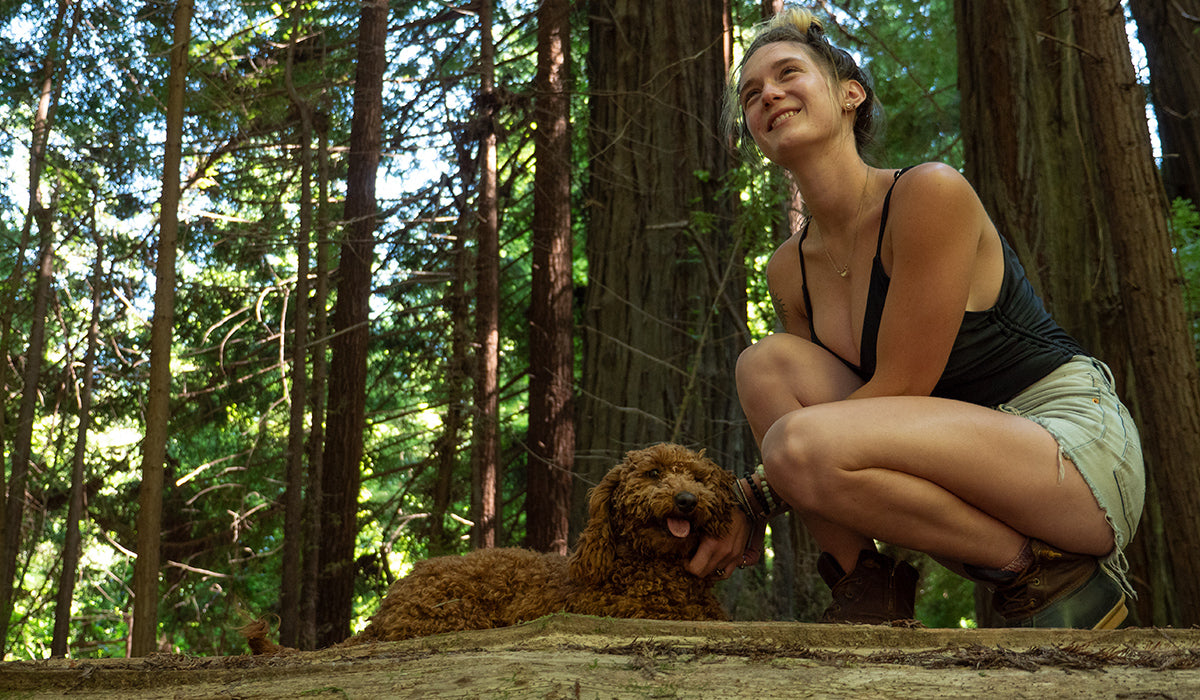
[[1078, 405]]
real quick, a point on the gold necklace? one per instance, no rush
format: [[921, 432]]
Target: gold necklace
[[844, 270]]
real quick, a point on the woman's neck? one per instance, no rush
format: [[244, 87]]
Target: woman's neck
[[834, 192]]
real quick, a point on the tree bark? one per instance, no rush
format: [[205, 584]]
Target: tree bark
[[314, 500], [664, 316], [158, 408], [72, 540], [348, 368], [293, 520], [1063, 179], [1152, 318], [1170, 31], [551, 440], [12, 489], [485, 453]]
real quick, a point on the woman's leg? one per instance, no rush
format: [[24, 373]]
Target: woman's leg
[[958, 481], [954, 480], [780, 374]]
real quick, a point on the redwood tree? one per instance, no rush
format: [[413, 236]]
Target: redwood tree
[[158, 410], [291, 570], [1055, 141], [551, 440], [1152, 318], [664, 315], [346, 418], [73, 539], [485, 452], [1170, 31]]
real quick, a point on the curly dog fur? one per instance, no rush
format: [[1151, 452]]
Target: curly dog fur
[[645, 521]]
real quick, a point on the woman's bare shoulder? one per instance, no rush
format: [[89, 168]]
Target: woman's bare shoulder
[[935, 180]]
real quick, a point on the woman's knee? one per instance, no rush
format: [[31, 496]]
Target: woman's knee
[[806, 371], [760, 361], [800, 457]]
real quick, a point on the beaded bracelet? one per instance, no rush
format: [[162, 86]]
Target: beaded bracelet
[[768, 495], [755, 497], [773, 504]]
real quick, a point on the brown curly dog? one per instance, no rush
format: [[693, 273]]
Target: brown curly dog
[[645, 520]]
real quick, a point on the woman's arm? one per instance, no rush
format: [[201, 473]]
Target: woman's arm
[[785, 284], [945, 257]]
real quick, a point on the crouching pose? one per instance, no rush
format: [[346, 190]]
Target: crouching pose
[[920, 394]]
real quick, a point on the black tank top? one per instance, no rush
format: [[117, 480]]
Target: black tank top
[[997, 353]]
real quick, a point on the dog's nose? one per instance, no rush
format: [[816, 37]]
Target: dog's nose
[[685, 501]]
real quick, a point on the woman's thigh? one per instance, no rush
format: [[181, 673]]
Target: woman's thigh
[[1004, 465], [783, 372]]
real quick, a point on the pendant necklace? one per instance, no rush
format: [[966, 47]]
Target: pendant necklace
[[844, 270]]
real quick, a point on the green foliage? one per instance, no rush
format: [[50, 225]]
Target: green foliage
[[944, 599], [1185, 234]]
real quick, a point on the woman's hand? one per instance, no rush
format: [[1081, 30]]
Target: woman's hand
[[742, 546]]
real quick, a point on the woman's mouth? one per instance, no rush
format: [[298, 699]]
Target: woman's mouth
[[782, 118]]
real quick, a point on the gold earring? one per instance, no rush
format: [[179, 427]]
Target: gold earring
[[849, 106]]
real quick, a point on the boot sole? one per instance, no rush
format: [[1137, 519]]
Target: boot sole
[[1059, 614], [1114, 618]]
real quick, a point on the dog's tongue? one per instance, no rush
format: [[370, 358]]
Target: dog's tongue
[[679, 527]]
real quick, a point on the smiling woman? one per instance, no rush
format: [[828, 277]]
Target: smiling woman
[[821, 58], [920, 394]]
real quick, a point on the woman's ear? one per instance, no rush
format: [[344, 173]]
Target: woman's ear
[[853, 93]]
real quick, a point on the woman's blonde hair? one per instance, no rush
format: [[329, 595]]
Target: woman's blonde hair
[[802, 27]]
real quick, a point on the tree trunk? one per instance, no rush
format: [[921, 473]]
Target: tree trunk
[[485, 453], [293, 519], [1044, 150], [12, 489], [458, 372], [158, 409], [15, 507], [551, 440], [314, 501], [1023, 117], [351, 318], [1170, 31], [664, 317], [72, 540], [1152, 319]]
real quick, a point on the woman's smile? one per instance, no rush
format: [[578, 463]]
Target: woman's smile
[[782, 118]]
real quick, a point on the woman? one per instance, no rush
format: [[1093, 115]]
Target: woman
[[919, 394]]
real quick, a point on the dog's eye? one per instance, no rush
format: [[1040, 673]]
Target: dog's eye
[[653, 473]]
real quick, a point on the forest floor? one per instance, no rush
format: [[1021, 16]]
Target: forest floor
[[566, 656]]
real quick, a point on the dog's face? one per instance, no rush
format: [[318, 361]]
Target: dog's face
[[666, 499]]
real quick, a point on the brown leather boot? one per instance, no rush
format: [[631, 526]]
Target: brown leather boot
[[1059, 589], [878, 591]]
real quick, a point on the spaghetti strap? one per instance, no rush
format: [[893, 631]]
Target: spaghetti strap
[[876, 271], [887, 200], [808, 311]]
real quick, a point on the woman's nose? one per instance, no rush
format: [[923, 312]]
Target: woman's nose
[[770, 93]]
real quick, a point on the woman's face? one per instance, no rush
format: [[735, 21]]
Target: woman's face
[[786, 99]]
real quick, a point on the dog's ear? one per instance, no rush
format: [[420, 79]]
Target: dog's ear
[[597, 548]]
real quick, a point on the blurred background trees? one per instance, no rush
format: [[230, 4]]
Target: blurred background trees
[[379, 328]]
